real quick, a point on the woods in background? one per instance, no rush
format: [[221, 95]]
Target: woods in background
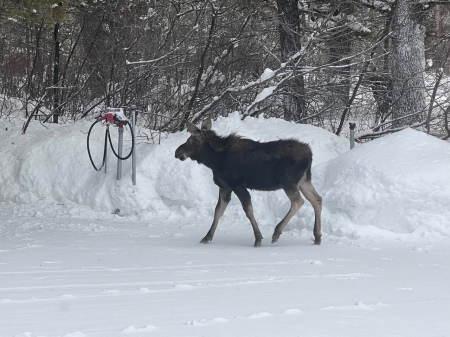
[[382, 63]]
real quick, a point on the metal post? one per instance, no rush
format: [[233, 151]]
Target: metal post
[[352, 134], [133, 158], [106, 152], [119, 152], [106, 160]]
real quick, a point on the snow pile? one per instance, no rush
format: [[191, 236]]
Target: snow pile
[[395, 187], [49, 164]]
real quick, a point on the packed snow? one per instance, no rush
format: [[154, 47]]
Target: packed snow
[[85, 255]]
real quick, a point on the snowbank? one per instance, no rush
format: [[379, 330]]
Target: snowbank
[[397, 186], [394, 187]]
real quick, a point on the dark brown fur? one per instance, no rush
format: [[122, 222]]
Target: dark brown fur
[[239, 164]]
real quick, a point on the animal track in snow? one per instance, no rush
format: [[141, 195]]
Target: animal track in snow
[[145, 328], [356, 306], [259, 315], [75, 334], [292, 312], [206, 321], [67, 296], [184, 286], [313, 262]]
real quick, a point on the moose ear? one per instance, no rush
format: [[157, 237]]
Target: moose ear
[[192, 129], [206, 125]]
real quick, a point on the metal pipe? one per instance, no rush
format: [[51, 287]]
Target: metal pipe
[[133, 158], [119, 152], [106, 146]]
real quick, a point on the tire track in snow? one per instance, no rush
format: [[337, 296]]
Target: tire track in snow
[[59, 292], [217, 282]]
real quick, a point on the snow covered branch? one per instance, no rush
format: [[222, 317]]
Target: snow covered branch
[[267, 77]]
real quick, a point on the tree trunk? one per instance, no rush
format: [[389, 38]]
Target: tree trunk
[[337, 97], [289, 30], [56, 108], [408, 64]]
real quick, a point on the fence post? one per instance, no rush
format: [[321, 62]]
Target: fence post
[[352, 134]]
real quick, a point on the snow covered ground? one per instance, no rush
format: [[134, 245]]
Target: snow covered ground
[[69, 267]]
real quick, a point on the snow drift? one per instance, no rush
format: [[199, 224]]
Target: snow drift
[[399, 184], [395, 187]]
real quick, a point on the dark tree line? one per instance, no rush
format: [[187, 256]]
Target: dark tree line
[[382, 63]]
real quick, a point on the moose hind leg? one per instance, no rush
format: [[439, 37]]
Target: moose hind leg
[[315, 199], [296, 202], [245, 199], [222, 203]]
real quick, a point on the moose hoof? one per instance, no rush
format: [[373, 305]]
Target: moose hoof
[[205, 240], [257, 243], [275, 238], [318, 240]]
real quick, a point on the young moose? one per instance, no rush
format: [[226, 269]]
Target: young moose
[[239, 164]]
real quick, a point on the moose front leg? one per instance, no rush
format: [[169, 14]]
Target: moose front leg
[[222, 203], [245, 198]]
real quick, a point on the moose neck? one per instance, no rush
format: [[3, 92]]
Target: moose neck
[[211, 153], [208, 157]]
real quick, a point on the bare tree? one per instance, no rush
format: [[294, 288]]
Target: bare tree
[[408, 63], [320, 62], [290, 42]]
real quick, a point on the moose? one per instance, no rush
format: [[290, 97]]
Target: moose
[[239, 164]]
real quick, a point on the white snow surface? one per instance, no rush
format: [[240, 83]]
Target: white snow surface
[[69, 267]]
